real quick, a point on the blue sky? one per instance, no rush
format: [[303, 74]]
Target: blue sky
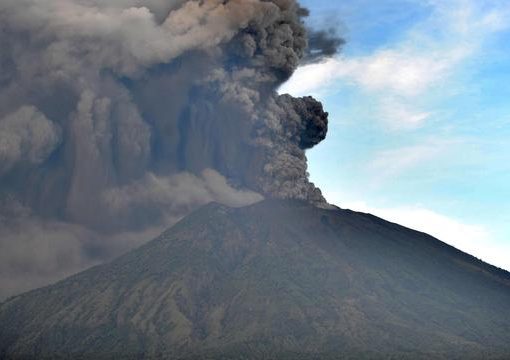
[[419, 116]]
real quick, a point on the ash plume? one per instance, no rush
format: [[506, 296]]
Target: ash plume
[[117, 118], [322, 44]]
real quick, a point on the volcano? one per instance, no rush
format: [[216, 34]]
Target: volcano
[[280, 279]]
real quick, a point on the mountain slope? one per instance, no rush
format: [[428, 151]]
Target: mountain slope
[[275, 280]]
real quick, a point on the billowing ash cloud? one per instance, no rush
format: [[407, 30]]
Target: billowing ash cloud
[[118, 117], [26, 136]]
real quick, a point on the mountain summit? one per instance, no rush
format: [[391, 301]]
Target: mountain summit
[[274, 280]]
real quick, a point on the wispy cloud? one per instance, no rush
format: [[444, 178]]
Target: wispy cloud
[[403, 72], [391, 163], [397, 115], [400, 76], [459, 164]]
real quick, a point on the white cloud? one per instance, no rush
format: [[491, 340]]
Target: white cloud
[[401, 71], [398, 115], [474, 239], [399, 76], [406, 70], [390, 163], [402, 79], [314, 78]]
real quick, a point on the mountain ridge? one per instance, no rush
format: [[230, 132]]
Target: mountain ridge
[[277, 277]]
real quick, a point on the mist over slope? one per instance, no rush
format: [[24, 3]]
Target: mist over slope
[[117, 118], [280, 279]]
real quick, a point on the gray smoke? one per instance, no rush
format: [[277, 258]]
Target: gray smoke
[[26, 136], [119, 117], [322, 44]]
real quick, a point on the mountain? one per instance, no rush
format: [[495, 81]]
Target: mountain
[[274, 280]]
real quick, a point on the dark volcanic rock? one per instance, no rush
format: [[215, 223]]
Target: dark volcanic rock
[[276, 280]]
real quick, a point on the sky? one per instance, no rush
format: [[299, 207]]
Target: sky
[[419, 116]]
